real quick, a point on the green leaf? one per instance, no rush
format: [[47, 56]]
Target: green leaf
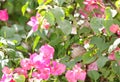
[[48, 1], [96, 24], [80, 2], [50, 17], [71, 63], [107, 24], [7, 32], [58, 13], [117, 3], [59, 2], [100, 43], [40, 1], [116, 68], [108, 13], [11, 53], [1, 70], [117, 55], [65, 59], [16, 38], [19, 78], [21, 48], [36, 42], [88, 57], [93, 75], [101, 61], [24, 7], [65, 26]]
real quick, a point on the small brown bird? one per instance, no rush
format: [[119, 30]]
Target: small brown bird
[[77, 50]]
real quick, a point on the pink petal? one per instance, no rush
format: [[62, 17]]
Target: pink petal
[[47, 51], [93, 66], [3, 15], [114, 28], [35, 27], [57, 68], [70, 76], [111, 56]]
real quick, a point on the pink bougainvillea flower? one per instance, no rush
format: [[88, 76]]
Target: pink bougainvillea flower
[[45, 24], [42, 74], [47, 52], [111, 56], [26, 64], [92, 66], [76, 74], [6, 78], [6, 70], [34, 22], [57, 68], [7, 74], [4, 15], [93, 5], [45, 73], [36, 75], [114, 28], [80, 74], [70, 76], [21, 71]]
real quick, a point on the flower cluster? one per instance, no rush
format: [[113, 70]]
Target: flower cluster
[[40, 65], [96, 7], [7, 75], [35, 22], [77, 73], [3, 15]]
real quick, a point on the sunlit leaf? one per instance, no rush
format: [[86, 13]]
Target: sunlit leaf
[[24, 7], [36, 42]]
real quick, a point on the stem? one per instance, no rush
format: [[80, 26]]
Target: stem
[[30, 74]]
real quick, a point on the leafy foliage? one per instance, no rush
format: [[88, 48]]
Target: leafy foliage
[[66, 25]]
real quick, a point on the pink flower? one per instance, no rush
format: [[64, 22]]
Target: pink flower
[[41, 65], [92, 5], [57, 68], [70, 75], [21, 71], [6, 78], [111, 56], [76, 74], [92, 66], [45, 24], [26, 64], [114, 28], [47, 52], [45, 73], [6, 70], [36, 75], [80, 74], [42, 74], [34, 22], [7, 75], [3, 15]]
